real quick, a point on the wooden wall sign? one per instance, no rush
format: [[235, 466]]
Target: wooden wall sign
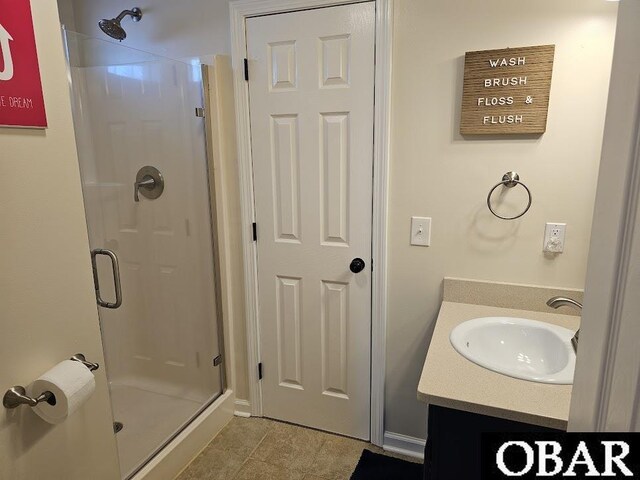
[[506, 91], [21, 98]]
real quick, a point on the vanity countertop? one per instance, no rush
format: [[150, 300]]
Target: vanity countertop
[[450, 380]]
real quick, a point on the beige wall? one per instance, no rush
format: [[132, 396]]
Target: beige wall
[[48, 309], [437, 173]]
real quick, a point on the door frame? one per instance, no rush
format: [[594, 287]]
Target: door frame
[[240, 10], [606, 389]]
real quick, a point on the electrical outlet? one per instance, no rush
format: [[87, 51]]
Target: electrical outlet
[[421, 231], [554, 234]]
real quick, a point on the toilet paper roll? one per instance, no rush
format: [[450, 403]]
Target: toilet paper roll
[[70, 382]]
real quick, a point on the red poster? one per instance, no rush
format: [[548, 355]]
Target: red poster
[[21, 99]]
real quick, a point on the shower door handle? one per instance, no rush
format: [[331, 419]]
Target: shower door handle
[[115, 267]]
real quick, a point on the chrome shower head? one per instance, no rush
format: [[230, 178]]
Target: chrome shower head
[[114, 29]]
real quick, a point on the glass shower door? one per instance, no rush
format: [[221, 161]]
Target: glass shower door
[[136, 128]]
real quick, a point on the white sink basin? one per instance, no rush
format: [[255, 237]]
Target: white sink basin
[[517, 347]]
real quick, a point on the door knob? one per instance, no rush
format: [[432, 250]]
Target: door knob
[[357, 265]]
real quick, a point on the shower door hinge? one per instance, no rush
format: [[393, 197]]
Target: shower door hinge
[[200, 112], [254, 227], [260, 371], [246, 69], [217, 361]]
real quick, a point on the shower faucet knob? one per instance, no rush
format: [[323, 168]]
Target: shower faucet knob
[[149, 182]]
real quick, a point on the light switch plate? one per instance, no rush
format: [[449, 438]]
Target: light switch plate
[[421, 231]]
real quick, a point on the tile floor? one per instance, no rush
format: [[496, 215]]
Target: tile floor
[[257, 448]]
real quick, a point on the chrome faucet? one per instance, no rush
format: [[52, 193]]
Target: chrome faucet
[[557, 302]]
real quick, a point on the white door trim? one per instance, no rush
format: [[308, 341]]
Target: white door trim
[[241, 10]]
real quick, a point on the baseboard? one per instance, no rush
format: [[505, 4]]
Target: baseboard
[[242, 408], [404, 445]]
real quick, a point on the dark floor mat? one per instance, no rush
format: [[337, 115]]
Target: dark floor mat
[[373, 466]]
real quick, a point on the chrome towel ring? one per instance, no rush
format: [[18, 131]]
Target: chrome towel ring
[[509, 180]]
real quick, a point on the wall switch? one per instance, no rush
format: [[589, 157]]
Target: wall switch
[[421, 231], [554, 237]]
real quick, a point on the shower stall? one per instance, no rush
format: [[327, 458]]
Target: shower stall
[[145, 179]]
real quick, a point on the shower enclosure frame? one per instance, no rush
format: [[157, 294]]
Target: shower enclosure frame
[[220, 360]]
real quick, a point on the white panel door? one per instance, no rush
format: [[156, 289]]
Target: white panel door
[[311, 100]]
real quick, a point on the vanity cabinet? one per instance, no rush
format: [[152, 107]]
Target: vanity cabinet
[[453, 444]]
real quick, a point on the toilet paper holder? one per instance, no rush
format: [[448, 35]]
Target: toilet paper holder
[[16, 396]]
